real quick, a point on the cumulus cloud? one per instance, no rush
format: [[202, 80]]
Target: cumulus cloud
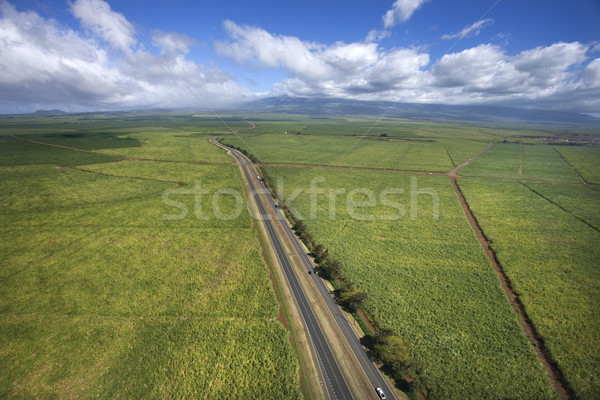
[[549, 66], [97, 16], [544, 76], [401, 11], [172, 42], [468, 31], [338, 69], [376, 35], [106, 65], [46, 65], [591, 74], [265, 49]]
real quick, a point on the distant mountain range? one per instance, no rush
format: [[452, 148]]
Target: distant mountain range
[[433, 112], [49, 112], [385, 109]]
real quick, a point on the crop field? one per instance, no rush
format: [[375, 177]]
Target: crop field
[[102, 296], [117, 281], [551, 258], [584, 159], [540, 162], [14, 151], [582, 201], [398, 263], [439, 155], [427, 279]]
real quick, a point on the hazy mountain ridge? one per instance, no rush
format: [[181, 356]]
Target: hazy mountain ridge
[[341, 107]]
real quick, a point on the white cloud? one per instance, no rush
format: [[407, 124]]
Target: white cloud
[[485, 74], [172, 42], [478, 69], [401, 11], [548, 66], [339, 69], [545, 77], [472, 30], [46, 65], [106, 65], [591, 74], [113, 27], [265, 49], [376, 35]]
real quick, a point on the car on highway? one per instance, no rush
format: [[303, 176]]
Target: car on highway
[[380, 393]]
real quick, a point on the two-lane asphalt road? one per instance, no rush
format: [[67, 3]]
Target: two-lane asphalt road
[[336, 385]]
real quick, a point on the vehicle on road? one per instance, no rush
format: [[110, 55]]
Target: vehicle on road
[[380, 393]]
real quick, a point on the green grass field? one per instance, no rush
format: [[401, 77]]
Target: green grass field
[[101, 297], [427, 279], [585, 159], [582, 201], [117, 282], [361, 142], [540, 162], [551, 258]]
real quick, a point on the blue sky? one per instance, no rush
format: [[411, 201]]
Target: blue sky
[[90, 54]]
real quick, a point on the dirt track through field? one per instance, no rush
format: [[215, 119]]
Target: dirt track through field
[[454, 172], [552, 370], [521, 166]]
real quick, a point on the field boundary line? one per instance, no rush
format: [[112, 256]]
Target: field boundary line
[[493, 178], [210, 164], [521, 166], [59, 145], [122, 158], [350, 168], [454, 172], [570, 165], [553, 371], [449, 156], [561, 207]]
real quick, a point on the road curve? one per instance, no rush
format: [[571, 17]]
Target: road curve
[[336, 385]]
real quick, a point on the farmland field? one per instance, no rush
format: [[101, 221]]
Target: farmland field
[[117, 282], [398, 263], [413, 148], [427, 279], [540, 162], [101, 296], [584, 159], [551, 258]]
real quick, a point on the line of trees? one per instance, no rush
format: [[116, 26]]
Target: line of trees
[[251, 157]]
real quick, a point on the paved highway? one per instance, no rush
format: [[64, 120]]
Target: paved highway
[[335, 384]]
